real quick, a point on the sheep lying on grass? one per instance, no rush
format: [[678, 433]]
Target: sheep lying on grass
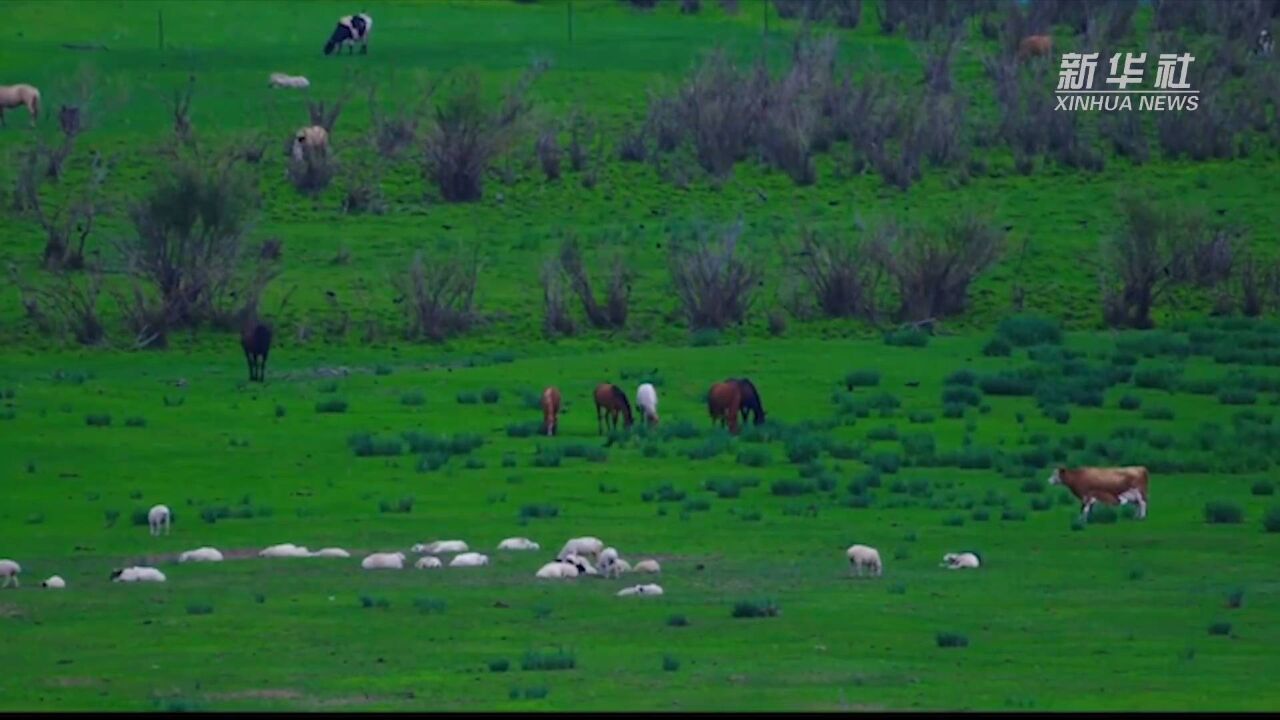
[[428, 561], [285, 550], [331, 553], [441, 546], [586, 546], [204, 554], [961, 561], [557, 570], [383, 561], [137, 574], [470, 559], [645, 590], [518, 543], [54, 583], [647, 566]]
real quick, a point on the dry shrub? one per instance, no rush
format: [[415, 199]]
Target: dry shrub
[[933, 269], [582, 137], [713, 282], [67, 303], [313, 171], [183, 131], [556, 318], [66, 227], [548, 151], [838, 275], [437, 292], [613, 313]]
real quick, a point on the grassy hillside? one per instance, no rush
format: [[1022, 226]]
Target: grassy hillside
[[363, 439]]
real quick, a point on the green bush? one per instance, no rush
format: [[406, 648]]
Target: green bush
[[1222, 512], [99, 420], [1271, 520], [490, 396], [791, 488], [1027, 330], [1220, 628], [677, 621], [997, 347], [367, 445], [1237, 396], [499, 665], [861, 378], [558, 660], [755, 609], [332, 405], [907, 337], [431, 606], [467, 398], [413, 398], [951, 640], [1130, 402], [670, 663]]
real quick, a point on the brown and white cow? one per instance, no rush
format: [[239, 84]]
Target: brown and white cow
[[1113, 486]]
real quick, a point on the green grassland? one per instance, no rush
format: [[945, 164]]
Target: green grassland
[[363, 440]]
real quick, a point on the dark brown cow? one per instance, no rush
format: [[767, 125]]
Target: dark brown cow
[[724, 401], [550, 410], [1034, 45], [611, 402], [1113, 486]]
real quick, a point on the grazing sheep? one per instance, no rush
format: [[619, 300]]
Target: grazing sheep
[[9, 571], [285, 550], [441, 546], [313, 138], [137, 574], [558, 571], [863, 557], [647, 566], [616, 568], [960, 561], [287, 81], [469, 559], [54, 583], [384, 561], [158, 517], [204, 554], [607, 556], [647, 590], [582, 564], [518, 543], [428, 561], [582, 546], [331, 553]]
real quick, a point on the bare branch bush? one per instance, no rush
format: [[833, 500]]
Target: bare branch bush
[[438, 291], [714, 283], [556, 318], [67, 227], [72, 299], [933, 269], [838, 273], [547, 148], [183, 131], [613, 314]]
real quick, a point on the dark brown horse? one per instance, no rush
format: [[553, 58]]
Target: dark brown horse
[[724, 400], [610, 402], [550, 409], [750, 401], [255, 338]]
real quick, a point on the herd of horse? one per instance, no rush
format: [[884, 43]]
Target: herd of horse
[[726, 401]]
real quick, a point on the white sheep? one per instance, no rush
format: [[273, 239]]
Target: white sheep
[[285, 550], [647, 566], [276, 80], [428, 561], [383, 561], [313, 138], [137, 574], [204, 554], [441, 546], [558, 571], [583, 565], [863, 557], [607, 556], [518, 543], [646, 590], [158, 517], [54, 583], [9, 570], [616, 568], [469, 559], [960, 561], [582, 546], [331, 553]]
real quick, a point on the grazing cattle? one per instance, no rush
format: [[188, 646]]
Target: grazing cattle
[[255, 338], [158, 518], [11, 96], [862, 557], [550, 410], [724, 400], [350, 30], [1035, 45], [1266, 43], [276, 80], [647, 401], [611, 402], [750, 401], [1113, 486]]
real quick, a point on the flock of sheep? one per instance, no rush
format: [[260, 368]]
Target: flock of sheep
[[579, 557]]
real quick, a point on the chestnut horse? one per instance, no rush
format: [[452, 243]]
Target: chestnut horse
[[1035, 45], [550, 409], [750, 401], [724, 400], [610, 402]]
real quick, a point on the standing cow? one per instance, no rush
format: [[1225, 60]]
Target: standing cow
[[1113, 486], [351, 29]]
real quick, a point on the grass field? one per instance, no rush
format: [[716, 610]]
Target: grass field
[[915, 450]]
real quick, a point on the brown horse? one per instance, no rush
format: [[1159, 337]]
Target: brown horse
[[550, 409], [255, 338], [724, 400], [610, 402], [1035, 45]]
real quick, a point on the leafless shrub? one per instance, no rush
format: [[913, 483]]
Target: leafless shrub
[[847, 13], [922, 17], [326, 113], [617, 290], [547, 148], [73, 299], [582, 137], [271, 250], [777, 322], [467, 136], [1172, 15], [714, 283], [1138, 260], [438, 293], [933, 270], [690, 7], [1127, 135], [631, 145], [253, 148], [643, 4], [789, 9], [556, 318], [939, 130], [68, 226], [717, 109], [786, 139], [839, 273], [1197, 254], [396, 129], [665, 123], [937, 57], [730, 7], [1108, 21], [187, 242], [312, 169], [183, 131], [1253, 285], [1237, 20]]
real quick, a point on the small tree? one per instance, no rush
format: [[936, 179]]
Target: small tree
[[182, 128], [617, 292], [933, 269], [556, 319], [840, 274], [68, 227], [438, 294], [1135, 265], [713, 283], [72, 299]]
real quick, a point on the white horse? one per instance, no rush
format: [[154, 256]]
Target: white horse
[[647, 400], [11, 96]]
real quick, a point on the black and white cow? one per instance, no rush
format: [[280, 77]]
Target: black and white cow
[[351, 29]]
